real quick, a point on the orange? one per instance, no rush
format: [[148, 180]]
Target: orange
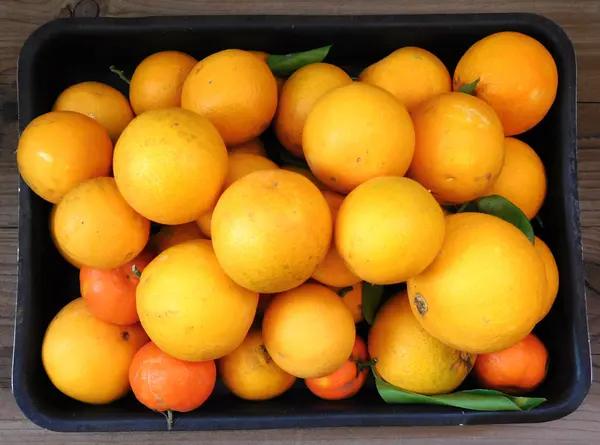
[[297, 98], [460, 147], [389, 229], [308, 331], [517, 77], [170, 165], [250, 373], [523, 178], [242, 164], [332, 271], [551, 275], [306, 173], [411, 359], [163, 383], [88, 359], [516, 370], [189, 307], [61, 149], [411, 74], [355, 133], [95, 227], [270, 230], [253, 146], [169, 236], [103, 103], [158, 79], [352, 297], [347, 380], [235, 90], [485, 289], [110, 293]]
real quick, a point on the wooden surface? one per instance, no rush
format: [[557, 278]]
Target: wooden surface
[[581, 21]]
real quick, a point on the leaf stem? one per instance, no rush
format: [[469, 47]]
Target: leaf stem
[[119, 73]]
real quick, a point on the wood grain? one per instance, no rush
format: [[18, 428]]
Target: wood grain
[[580, 19]]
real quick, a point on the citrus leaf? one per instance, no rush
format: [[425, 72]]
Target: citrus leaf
[[474, 399], [506, 210], [371, 300], [469, 88], [284, 65]]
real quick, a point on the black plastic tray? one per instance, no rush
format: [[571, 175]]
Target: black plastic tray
[[67, 51]]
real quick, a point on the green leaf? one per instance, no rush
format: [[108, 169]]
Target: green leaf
[[120, 74], [344, 290], [473, 399], [371, 300], [469, 88], [506, 210], [284, 65]]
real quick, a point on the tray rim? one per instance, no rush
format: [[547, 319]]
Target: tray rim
[[570, 200]]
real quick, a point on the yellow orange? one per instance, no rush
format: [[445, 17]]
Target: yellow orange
[[103, 103], [270, 229], [485, 289], [411, 359], [357, 132], [95, 227], [297, 98], [517, 77], [551, 276], [250, 373], [460, 147], [61, 149], [188, 306], [88, 359], [235, 90], [389, 229], [308, 331], [157, 81], [523, 178], [170, 165], [412, 74]]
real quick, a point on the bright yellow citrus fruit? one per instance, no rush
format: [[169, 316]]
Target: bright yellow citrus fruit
[[94, 226], [485, 289], [389, 229], [170, 165], [308, 331], [88, 359], [411, 359], [189, 307], [270, 229], [355, 133]]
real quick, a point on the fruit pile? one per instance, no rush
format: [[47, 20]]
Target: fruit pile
[[201, 258]]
